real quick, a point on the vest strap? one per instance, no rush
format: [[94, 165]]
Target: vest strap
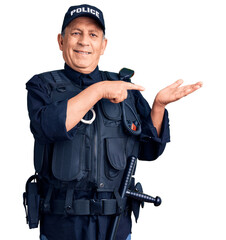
[[86, 207], [69, 200], [46, 204], [57, 77]]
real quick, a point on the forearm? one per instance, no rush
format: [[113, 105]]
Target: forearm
[[157, 114], [79, 105]]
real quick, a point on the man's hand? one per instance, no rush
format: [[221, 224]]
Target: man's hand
[[79, 105], [174, 92], [116, 91], [167, 95]]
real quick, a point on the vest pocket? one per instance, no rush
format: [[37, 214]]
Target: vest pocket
[[112, 113], [116, 156], [69, 162]]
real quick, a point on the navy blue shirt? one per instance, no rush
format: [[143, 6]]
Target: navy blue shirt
[[48, 125], [48, 118]]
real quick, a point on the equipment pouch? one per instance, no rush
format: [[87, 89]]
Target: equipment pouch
[[70, 159], [116, 156], [31, 200], [112, 113]]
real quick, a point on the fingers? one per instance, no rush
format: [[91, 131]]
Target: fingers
[[193, 87], [188, 89], [119, 98], [198, 85], [131, 86], [117, 91], [176, 84]]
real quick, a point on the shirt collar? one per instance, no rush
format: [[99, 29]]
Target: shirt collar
[[81, 78]]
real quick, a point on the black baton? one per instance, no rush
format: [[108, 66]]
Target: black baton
[[131, 164], [143, 197]]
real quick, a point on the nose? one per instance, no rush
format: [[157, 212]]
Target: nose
[[84, 40]]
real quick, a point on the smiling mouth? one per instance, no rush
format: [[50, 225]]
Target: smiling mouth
[[82, 52]]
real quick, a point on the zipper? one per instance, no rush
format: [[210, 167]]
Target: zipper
[[95, 148], [98, 149]]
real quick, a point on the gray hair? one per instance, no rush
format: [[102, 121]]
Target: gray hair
[[63, 33]]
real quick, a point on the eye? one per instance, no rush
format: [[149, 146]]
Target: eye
[[93, 35], [76, 33]]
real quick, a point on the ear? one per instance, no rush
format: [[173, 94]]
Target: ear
[[60, 40], [104, 45]]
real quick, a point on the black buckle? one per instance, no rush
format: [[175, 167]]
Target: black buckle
[[25, 205], [46, 207], [61, 88], [96, 207], [69, 210]]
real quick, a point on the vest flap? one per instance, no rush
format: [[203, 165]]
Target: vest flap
[[111, 110], [116, 152], [39, 150]]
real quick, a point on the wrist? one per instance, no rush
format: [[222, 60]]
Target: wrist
[[99, 89], [158, 106]]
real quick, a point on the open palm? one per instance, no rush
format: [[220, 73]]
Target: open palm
[[174, 92]]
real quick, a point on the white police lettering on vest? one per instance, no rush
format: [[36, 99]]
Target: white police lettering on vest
[[85, 10]]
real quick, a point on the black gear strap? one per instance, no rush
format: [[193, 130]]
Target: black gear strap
[[86, 207]]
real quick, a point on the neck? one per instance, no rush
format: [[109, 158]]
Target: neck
[[82, 70]]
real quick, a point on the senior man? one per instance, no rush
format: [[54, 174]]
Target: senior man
[[79, 117]]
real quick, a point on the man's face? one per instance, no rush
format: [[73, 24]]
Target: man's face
[[83, 44]]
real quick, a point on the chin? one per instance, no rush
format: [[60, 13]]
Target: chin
[[82, 68], [81, 64]]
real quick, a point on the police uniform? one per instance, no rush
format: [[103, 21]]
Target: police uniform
[[79, 171]]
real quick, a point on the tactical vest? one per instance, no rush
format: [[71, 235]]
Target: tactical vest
[[97, 155], [95, 160]]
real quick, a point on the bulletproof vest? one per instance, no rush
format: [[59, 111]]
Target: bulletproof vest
[[97, 154]]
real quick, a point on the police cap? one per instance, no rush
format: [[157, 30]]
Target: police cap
[[83, 10]]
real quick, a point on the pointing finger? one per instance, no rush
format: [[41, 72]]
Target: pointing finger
[[132, 86]]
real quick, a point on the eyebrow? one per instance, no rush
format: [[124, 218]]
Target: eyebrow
[[73, 29], [78, 29]]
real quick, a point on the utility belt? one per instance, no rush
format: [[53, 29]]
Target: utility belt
[[83, 207], [36, 205]]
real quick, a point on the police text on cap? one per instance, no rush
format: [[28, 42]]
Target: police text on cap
[[85, 10]]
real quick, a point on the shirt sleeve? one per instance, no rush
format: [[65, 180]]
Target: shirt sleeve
[[47, 118], [151, 145]]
